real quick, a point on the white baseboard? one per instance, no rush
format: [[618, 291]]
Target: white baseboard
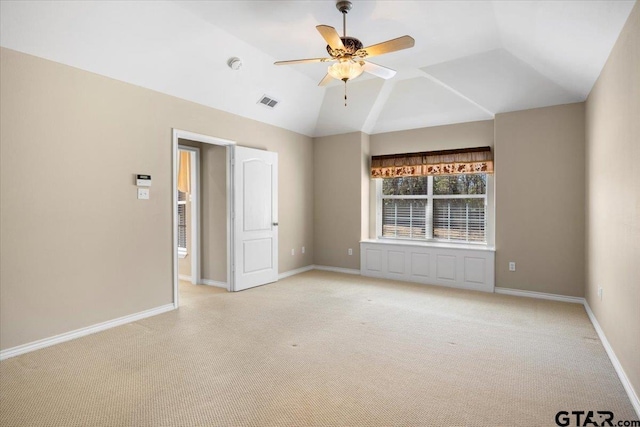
[[539, 295], [68, 336], [337, 269], [204, 281], [296, 271], [635, 401], [214, 283]]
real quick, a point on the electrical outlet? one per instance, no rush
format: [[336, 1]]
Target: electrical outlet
[[600, 293], [512, 266], [293, 251], [350, 251], [302, 249]]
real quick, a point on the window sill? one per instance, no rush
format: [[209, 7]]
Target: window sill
[[182, 253], [443, 245]]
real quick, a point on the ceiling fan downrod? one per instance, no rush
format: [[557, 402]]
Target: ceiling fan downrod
[[344, 7]]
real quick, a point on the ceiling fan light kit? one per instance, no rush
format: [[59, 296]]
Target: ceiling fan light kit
[[349, 54], [345, 70]]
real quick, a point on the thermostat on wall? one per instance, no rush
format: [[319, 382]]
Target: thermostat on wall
[[143, 180]]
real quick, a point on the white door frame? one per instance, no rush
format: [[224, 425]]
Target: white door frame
[[194, 251], [182, 134]]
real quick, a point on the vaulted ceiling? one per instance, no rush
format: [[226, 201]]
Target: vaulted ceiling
[[471, 60]]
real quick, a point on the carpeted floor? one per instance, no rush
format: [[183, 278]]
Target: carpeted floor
[[323, 349]]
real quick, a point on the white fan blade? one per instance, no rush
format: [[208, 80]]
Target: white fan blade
[[378, 70], [331, 36], [394, 45], [326, 80], [303, 61]]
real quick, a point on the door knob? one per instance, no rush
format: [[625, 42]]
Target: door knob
[[275, 224]]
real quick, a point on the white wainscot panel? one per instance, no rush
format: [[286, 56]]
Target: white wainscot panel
[[446, 267], [466, 267], [420, 265], [474, 269], [373, 262], [395, 262]]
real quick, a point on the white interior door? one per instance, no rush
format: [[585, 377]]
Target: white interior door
[[255, 206]]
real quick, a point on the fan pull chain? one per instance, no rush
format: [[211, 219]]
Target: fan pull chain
[[345, 93]]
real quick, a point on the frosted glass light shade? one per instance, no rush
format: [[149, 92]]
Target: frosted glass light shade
[[345, 70]]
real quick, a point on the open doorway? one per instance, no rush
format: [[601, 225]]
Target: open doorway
[[241, 247], [202, 219], [188, 195]]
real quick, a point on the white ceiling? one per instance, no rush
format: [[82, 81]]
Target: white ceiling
[[472, 59]]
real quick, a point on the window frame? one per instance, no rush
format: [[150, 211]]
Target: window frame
[[430, 197]]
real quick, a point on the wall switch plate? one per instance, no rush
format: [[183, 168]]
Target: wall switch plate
[[302, 249], [350, 251], [293, 251], [143, 194], [600, 293], [512, 266]]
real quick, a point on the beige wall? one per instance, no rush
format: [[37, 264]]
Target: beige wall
[[539, 179], [613, 198], [213, 208], [77, 247], [449, 137], [338, 214]]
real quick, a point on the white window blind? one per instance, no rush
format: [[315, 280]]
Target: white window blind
[[182, 220], [404, 218], [451, 208], [459, 219]]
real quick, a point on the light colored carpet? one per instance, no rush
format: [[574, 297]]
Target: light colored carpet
[[323, 349]]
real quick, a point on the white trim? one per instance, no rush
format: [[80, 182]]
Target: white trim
[[68, 336], [437, 244], [174, 214], [182, 134], [295, 271], [337, 269], [214, 283], [184, 277], [182, 252], [539, 295], [633, 397], [231, 155]]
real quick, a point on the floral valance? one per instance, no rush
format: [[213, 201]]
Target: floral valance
[[446, 162]]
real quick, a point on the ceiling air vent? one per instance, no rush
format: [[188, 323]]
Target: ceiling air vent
[[267, 101]]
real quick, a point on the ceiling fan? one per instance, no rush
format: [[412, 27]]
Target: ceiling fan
[[348, 53]]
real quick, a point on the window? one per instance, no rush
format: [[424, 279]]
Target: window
[[182, 224], [441, 207]]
